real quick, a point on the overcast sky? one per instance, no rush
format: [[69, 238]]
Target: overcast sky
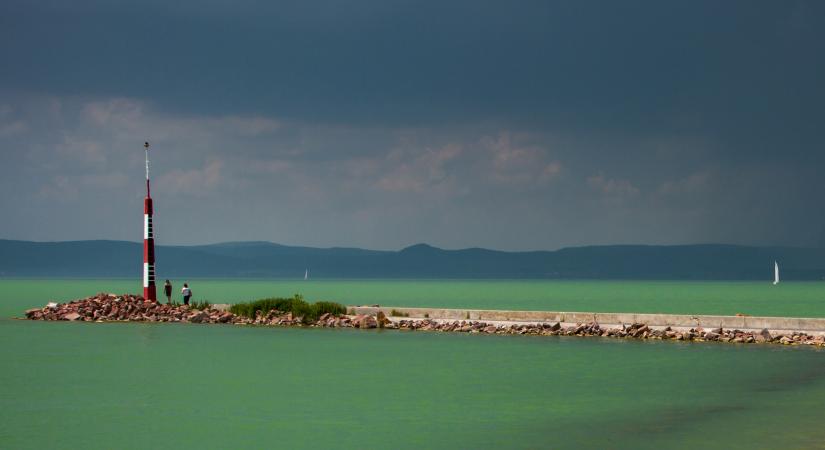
[[380, 124]]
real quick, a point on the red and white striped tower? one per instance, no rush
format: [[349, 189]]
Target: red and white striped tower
[[149, 291]]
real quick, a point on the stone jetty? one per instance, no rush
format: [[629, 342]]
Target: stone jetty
[[126, 308], [627, 331], [133, 308]]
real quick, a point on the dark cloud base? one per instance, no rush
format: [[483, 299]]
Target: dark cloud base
[[380, 124]]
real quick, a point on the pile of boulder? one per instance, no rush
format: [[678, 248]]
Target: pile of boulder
[[636, 330], [133, 308], [328, 320], [127, 307]]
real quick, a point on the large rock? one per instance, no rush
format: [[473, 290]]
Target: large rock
[[197, 317], [640, 331], [763, 336], [226, 317], [71, 316], [356, 321], [363, 321], [382, 319]]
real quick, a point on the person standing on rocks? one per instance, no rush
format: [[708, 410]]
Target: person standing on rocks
[[187, 293], [167, 289]]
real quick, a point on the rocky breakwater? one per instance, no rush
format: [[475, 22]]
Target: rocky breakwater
[[126, 308], [133, 308], [633, 331]]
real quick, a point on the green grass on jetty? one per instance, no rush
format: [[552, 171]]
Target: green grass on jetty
[[195, 304], [296, 305]]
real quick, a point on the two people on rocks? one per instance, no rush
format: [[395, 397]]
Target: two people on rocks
[[185, 292]]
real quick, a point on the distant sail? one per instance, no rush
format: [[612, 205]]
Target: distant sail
[[306, 274], [775, 272]]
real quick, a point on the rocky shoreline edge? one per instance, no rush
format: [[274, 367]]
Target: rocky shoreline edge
[[133, 308]]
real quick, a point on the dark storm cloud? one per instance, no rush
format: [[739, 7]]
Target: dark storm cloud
[[511, 125]]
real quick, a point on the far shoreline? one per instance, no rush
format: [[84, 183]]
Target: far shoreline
[[413, 279]]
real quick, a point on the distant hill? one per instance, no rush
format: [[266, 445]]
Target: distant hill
[[265, 259]]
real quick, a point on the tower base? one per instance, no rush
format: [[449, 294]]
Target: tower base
[[150, 293]]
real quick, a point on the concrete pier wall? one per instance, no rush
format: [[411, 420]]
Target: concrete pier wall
[[810, 325]]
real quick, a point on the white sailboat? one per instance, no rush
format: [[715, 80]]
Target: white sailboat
[[775, 273], [306, 274]]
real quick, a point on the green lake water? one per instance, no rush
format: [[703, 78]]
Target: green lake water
[[87, 385], [792, 299]]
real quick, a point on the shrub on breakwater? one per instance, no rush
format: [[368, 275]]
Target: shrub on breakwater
[[295, 305], [332, 308], [195, 305]]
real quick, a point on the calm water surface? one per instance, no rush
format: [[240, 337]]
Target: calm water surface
[[791, 299], [84, 385]]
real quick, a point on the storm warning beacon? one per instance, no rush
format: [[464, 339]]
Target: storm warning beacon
[[149, 291]]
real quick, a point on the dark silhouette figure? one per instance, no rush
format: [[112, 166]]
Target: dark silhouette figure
[[167, 290]]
